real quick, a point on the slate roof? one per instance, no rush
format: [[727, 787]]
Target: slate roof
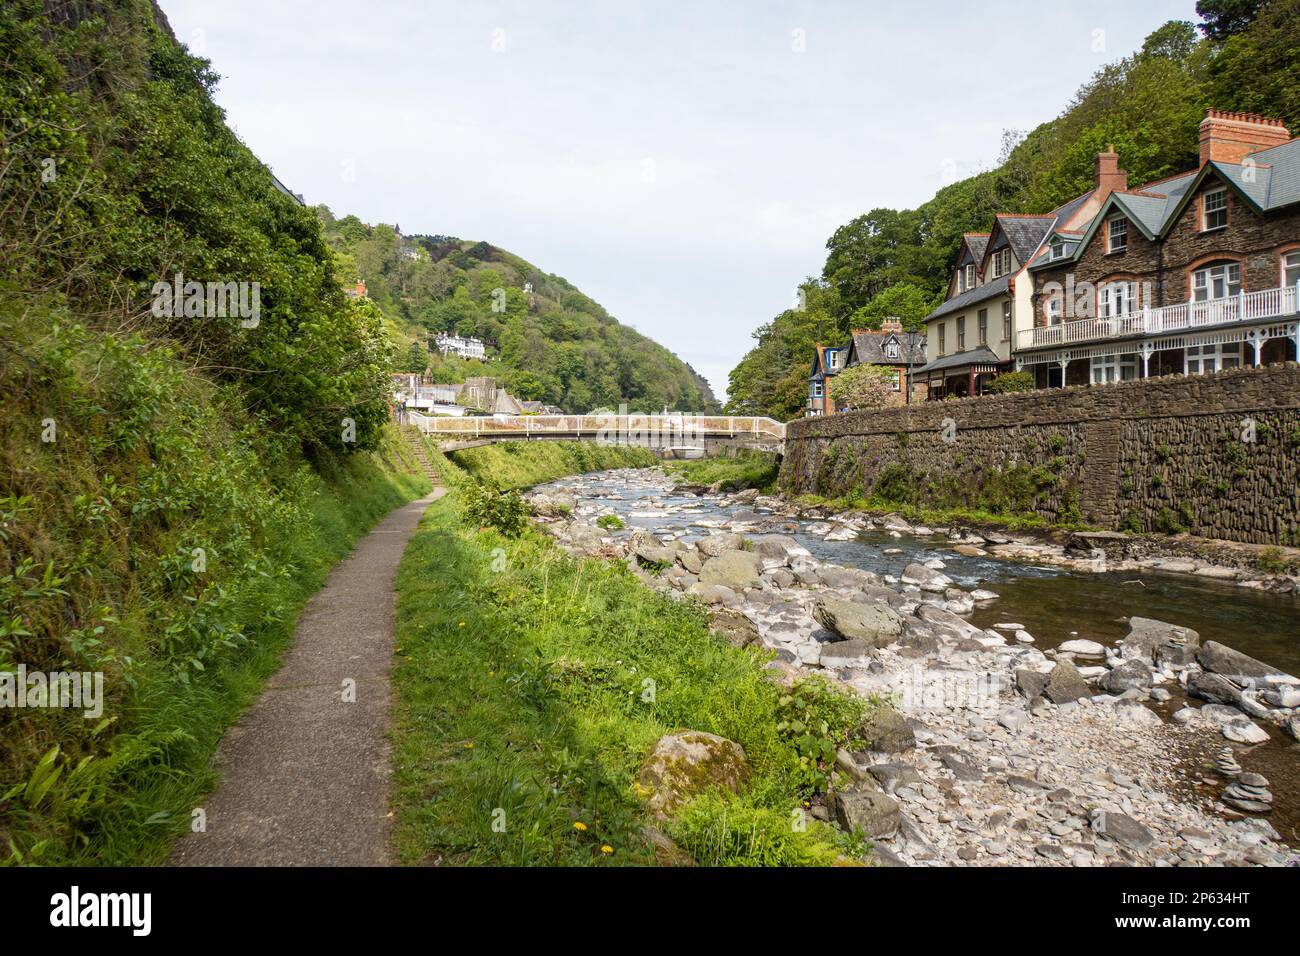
[[988, 290], [1024, 233], [869, 347], [978, 242], [980, 356]]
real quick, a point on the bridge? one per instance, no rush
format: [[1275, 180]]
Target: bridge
[[681, 435]]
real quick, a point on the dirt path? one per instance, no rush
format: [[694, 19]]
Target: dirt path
[[305, 773]]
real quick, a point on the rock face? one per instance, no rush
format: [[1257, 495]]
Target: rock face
[[886, 731], [1064, 684], [870, 811], [685, 764], [1147, 635], [733, 569], [1131, 675], [875, 624], [1239, 667]]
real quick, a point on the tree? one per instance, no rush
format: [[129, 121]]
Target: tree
[[864, 386], [1256, 70], [1225, 18], [904, 301]]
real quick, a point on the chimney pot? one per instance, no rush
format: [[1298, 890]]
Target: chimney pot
[[1231, 137], [1109, 177]]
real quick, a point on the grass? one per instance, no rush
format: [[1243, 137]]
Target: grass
[[748, 469], [530, 685], [167, 540], [521, 464]]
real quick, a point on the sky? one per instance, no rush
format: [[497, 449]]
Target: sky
[[682, 163]]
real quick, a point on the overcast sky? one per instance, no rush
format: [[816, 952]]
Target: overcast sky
[[681, 163]]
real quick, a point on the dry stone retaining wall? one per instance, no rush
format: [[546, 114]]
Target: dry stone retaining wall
[[1165, 454]]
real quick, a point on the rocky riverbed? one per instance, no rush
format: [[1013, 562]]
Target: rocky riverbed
[[992, 750]]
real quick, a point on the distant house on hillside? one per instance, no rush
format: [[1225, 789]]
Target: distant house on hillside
[[357, 291], [463, 346]]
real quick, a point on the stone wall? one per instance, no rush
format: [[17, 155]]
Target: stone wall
[[1166, 454]]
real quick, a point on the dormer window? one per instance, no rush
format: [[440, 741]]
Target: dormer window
[[1116, 234], [969, 278], [1056, 249], [1001, 262], [891, 348], [1214, 209]]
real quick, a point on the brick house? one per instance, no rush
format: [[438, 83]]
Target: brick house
[[827, 361], [1193, 273], [893, 348]]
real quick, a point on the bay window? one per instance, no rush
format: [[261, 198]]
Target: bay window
[[1216, 281]]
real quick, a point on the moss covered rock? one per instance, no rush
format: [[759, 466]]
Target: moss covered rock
[[686, 764]]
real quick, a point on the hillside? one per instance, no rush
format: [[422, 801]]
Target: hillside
[[1243, 55], [175, 477], [552, 343]]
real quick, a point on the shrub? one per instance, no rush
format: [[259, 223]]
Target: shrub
[[1011, 382], [609, 522], [488, 506]]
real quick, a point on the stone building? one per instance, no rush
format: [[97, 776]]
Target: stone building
[[1190, 274]]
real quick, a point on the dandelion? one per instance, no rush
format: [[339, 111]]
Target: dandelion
[[607, 849], [580, 826], [469, 745], [461, 624]]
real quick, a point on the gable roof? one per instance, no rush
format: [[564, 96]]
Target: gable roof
[[868, 348], [988, 290], [976, 242], [1025, 233]]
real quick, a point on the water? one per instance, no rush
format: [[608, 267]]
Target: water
[[1055, 604]]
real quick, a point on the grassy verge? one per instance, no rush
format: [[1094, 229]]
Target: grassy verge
[[520, 464], [940, 516], [151, 531], [748, 469], [530, 686]]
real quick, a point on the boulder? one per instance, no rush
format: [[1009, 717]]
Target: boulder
[[1031, 684], [1220, 659], [874, 813], [687, 763], [715, 544], [1131, 675], [1064, 684], [746, 497], [585, 538], [736, 628], [1244, 731], [843, 653], [847, 579], [875, 624], [778, 550], [1146, 635], [927, 579], [885, 730], [1122, 829], [712, 593], [690, 560], [654, 554], [1213, 687], [733, 569]]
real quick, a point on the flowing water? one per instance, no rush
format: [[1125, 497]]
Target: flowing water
[[1055, 604]]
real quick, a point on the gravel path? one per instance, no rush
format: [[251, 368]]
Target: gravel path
[[305, 773]]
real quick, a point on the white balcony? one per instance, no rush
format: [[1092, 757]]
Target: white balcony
[[1261, 306]]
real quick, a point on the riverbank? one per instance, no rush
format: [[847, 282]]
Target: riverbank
[[1005, 751], [550, 710]]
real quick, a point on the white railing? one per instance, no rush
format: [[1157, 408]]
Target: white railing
[[1244, 307], [597, 426]]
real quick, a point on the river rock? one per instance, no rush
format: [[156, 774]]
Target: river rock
[[927, 579], [690, 559], [1129, 675], [1214, 688], [874, 813], [875, 624], [715, 544], [844, 653], [778, 550], [585, 538], [1292, 726], [1220, 659], [1244, 731], [1225, 761], [885, 731], [1030, 683], [712, 593], [1146, 635], [736, 628], [847, 579], [1122, 829], [685, 764], [1087, 650], [734, 569], [1065, 683]]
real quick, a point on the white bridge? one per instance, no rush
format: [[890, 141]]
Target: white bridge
[[673, 433]]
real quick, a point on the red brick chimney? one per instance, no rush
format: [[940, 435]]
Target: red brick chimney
[[1109, 177], [891, 325], [1231, 137]]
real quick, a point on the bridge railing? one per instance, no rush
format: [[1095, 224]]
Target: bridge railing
[[609, 427]]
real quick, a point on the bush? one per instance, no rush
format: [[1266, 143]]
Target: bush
[[488, 506], [609, 522], [1011, 382]]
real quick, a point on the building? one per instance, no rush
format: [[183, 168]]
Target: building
[[893, 348], [357, 291], [465, 347], [827, 361], [1190, 274]]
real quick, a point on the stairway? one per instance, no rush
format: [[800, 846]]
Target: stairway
[[416, 441]]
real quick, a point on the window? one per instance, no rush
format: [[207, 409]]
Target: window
[[1053, 309], [1001, 262], [1056, 249], [1006, 319], [1216, 281], [970, 278], [817, 390], [1114, 368], [984, 326], [1117, 234], [1117, 298], [1291, 268], [898, 381], [961, 334], [1006, 262], [1214, 209], [891, 348], [1201, 359], [943, 328]]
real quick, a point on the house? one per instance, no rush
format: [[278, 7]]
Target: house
[[1189, 274], [827, 361], [891, 347], [464, 346], [971, 336], [358, 290]]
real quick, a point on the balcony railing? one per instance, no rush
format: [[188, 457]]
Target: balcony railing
[[1244, 307]]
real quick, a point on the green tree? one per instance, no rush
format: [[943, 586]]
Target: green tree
[[863, 387]]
